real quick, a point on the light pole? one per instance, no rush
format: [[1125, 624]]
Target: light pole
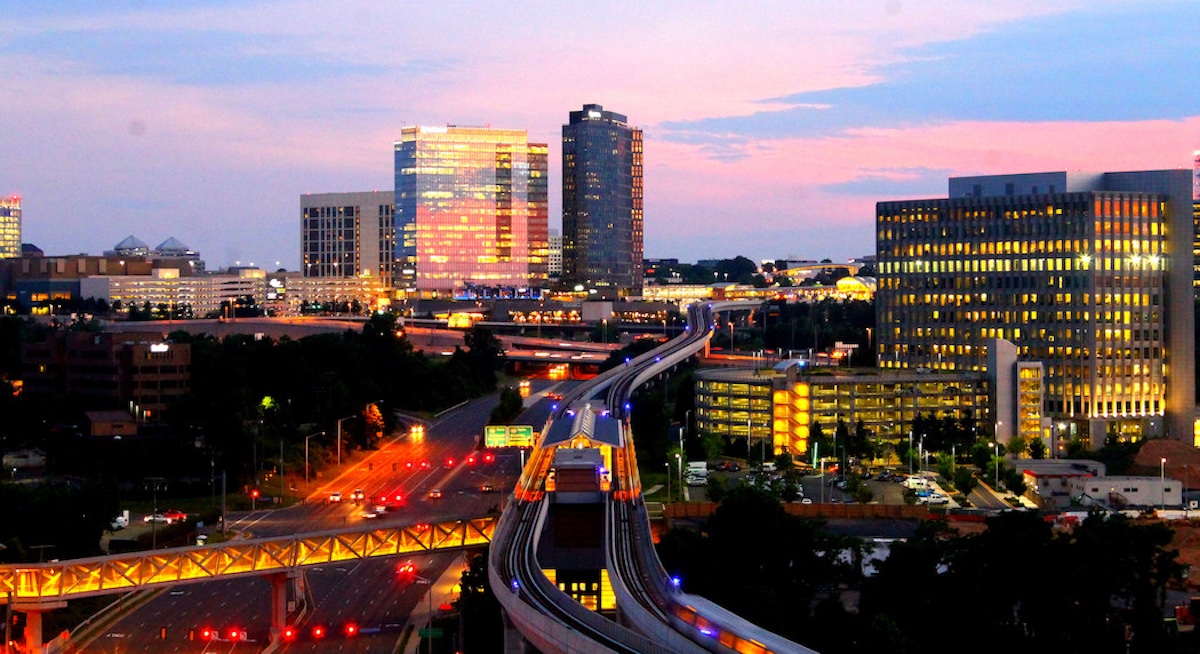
[[320, 433], [679, 464], [667, 465], [1162, 483], [996, 462], [339, 439], [429, 624]]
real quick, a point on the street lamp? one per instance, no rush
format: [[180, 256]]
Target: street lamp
[[1162, 483], [339, 438], [667, 465], [679, 464], [996, 462], [426, 582], [320, 433]]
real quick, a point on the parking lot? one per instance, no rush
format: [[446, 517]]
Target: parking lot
[[815, 487]]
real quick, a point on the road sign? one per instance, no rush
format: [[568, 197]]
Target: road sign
[[495, 436], [520, 435], [431, 632]]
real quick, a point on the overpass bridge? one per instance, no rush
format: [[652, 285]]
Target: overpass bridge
[[34, 588]]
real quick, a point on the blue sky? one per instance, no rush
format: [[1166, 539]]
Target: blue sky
[[771, 128]]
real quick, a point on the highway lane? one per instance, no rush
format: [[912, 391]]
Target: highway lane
[[343, 591]]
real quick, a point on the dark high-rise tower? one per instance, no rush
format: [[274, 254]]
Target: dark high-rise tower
[[602, 202]]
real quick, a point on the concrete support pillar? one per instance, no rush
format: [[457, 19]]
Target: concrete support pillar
[[514, 642], [279, 603], [34, 643]]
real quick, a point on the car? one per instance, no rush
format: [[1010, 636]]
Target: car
[[487, 488], [335, 496], [170, 516], [554, 396], [696, 481], [380, 508], [358, 494], [370, 514], [435, 494], [806, 500]]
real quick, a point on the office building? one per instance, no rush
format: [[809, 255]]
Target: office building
[[142, 373], [1089, 274], [602, 202], [10, 227], [471, 212], [554, 260], [347, 235]]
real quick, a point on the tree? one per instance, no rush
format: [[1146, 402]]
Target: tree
[[510, 406], [1017, 446], [483, 626], [964, 480], [1037, 449]]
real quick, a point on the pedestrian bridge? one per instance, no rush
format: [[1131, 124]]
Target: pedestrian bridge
[[34, 588]]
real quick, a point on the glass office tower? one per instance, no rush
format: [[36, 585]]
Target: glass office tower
[[602, 202], [1090, 274], [471, 212]]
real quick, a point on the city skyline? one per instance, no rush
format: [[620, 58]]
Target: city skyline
[[770, 130]]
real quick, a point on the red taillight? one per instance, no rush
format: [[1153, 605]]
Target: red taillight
[[236, 634], [449, 463], [207, 634], [408, 464], [289, 633], [488, 457], [471, 460], [318, 632], [351, 629]]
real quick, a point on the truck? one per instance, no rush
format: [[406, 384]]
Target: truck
[[697, 473]]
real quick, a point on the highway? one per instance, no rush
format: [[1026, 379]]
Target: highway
[[368, 594]]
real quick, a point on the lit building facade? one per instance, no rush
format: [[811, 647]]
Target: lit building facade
[[1089, 274], [777, 410], [10, 227], [602, 202], [470, 210], [346, 235]]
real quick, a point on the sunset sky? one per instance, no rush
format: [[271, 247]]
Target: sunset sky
[[771, 127]]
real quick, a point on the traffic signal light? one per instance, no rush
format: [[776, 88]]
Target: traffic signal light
[[254, 493]]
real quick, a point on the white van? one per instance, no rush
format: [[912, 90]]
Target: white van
[[769, 466], [916, 482]]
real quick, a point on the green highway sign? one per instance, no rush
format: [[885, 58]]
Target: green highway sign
[[431, 632], [520, 435], [495, 436]]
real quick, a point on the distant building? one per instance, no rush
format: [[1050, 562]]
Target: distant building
[[602, 202], [1090, 274], [10, 226], [554, 259], [348, 235], [141, 373], [471, 212]]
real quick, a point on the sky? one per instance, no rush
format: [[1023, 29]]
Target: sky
[[771, 127]]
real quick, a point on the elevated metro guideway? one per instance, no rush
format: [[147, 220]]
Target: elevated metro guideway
[[38, 587], [660, 617]]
